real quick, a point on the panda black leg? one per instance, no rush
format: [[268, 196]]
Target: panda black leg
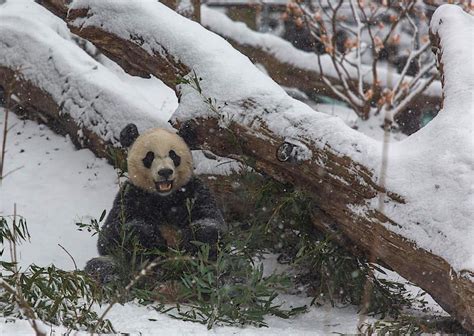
[[205, 232], [103, 269]]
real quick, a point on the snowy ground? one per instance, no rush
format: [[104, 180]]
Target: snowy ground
[[54, 185], [139, 320]]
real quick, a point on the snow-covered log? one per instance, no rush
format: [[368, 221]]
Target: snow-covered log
[[410, 207], [52, 79], [284, 63], [295, 68]]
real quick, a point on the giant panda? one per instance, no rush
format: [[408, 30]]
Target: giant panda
[[162, 204]]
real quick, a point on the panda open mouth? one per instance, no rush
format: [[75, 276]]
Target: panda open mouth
[[164, 186]]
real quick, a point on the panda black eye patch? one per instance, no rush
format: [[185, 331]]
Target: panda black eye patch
[[175, 157], [148, 159]]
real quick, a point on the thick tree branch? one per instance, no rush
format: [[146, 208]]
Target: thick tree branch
[[311, 73]]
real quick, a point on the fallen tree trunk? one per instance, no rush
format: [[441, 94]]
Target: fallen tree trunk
[[285, 64], [232, 109], [294, 68], [56, 82], [34, 103]]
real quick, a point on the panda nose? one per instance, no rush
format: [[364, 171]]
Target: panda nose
[[166, 173]]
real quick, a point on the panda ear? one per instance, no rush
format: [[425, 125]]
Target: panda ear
[[128, 135], [187, 131]]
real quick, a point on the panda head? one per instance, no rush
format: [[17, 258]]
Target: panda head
[[159, 161]]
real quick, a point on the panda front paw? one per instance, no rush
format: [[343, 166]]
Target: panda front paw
[[205, 230], [143, 234]]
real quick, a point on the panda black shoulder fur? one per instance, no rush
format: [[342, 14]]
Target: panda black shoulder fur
[[162, 205]]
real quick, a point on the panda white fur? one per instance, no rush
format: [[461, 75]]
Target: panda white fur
[[162, 205]]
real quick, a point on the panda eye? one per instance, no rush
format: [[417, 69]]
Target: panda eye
[[148, 159], [175, 157]]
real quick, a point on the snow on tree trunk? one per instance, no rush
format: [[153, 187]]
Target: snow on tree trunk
[[416, 217], [55, 81], [295, 68]]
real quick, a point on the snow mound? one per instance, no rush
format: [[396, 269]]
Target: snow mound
[[434, 168]]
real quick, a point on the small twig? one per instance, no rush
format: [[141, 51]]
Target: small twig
[[12, 243], [358, 48], [69, 254], [413, 55], [5, 132], [139, 276], [8, 106], [24, 306], [12, 171]]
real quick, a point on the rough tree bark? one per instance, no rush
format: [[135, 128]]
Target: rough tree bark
[[37, 104], [336, 182]]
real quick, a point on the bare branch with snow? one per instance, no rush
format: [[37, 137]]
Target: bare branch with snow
[[327, 24]]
